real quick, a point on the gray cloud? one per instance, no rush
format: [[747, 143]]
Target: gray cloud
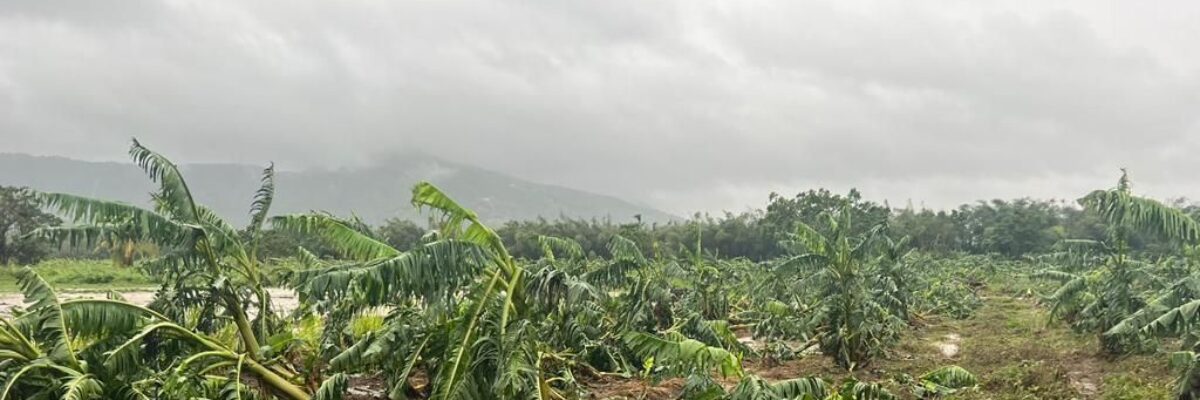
[[685, 105]]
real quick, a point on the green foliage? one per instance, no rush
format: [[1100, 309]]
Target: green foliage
[[1129, 386], [684, 356], [282, 244], [20, 214], [210, 276], [755, 388], [401, 234], [1125, 212], [784, 215], [851, 316], [1108, 294], [934, 384], [366, 324], [944, 381], [349, 238], [332, 389]]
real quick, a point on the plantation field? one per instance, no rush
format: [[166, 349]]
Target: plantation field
[[840, 305], [1009, 344]]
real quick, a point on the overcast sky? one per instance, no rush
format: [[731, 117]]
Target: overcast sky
[[684, 105]]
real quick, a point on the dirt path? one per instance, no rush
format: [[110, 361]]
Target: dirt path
[[1016, 352], [284, 300], [1083, 381]]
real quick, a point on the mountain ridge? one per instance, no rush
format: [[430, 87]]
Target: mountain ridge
[[375, 193]]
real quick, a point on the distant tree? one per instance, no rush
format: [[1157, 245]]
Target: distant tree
[[402, 234], [1012, 228], [1078, 223], [19, 215], [276, 243], [730, 236], [936, 231], [784, 214], [592, 235]]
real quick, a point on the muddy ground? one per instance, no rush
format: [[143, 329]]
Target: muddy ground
[[284, 300]]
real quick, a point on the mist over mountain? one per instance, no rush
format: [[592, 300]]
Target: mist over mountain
[[374, 193]]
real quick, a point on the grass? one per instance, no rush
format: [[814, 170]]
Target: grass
[[68, 274], [1017, 354], [73, 274]]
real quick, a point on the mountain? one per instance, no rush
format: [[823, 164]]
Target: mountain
[[375, 193]]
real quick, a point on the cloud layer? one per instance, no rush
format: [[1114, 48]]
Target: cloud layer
[[684, 105]]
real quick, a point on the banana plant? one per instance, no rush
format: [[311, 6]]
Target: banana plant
[[40, 359], [104, 348], [210, 274], [933, 384], [1182, 321], [205, 264], [943, 381], [463, 301], [894, 279], [1104, 300], [851, 323], [677, 355]]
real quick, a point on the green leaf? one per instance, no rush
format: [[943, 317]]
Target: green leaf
[[347, 240], [174, 196], [333, 388]]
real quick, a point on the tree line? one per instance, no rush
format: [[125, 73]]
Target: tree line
[[1010, 228]]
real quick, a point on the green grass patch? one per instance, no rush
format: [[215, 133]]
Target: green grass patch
[[1017, 353], [71, 274], [1127, 386]]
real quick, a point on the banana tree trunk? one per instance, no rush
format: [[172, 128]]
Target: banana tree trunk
[[245, 328], [127, 253], [277, 383]]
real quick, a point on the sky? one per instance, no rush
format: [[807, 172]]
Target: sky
[[684, 105]]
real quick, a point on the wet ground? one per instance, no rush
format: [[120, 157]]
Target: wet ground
[[283, 300]]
